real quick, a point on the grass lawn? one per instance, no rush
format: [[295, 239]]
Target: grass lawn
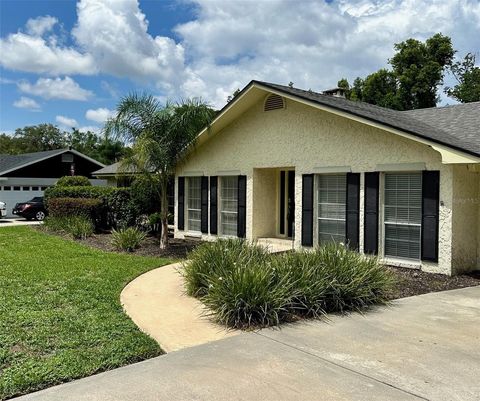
[[60, 313]]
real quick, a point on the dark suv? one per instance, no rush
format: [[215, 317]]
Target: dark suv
[[33, 209]]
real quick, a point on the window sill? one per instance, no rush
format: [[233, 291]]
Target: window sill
[[406, 263], [193, 234]]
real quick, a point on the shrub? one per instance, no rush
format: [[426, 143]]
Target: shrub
[[79, 227], [73, 181], [118, 210], [145, 194], [64, 207], [127, 239], [244, 286]]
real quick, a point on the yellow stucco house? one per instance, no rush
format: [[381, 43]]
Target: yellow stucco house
[[298, 168]]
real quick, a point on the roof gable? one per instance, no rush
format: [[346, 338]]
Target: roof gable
[[9, 163], [454, 148]]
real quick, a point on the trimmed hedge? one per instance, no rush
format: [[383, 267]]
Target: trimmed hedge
[[118, 209], [74, 181], [67, 207]]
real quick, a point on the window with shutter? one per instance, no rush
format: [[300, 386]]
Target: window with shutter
[[228, 205], [194, 203], [331, 207], [402, 215]]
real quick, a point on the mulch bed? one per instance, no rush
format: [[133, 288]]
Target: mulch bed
[[178, 248], [415, 282]]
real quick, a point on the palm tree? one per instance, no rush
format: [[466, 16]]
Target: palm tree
[[160, 135]]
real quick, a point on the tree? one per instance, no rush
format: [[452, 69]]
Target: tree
[[419, 69], [233, 95], [160, 137], [343, 84], [467, 76]]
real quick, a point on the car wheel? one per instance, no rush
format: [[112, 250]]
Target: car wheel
[[40, 215]]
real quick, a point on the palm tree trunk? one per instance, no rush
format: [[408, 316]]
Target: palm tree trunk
[[164, 212]]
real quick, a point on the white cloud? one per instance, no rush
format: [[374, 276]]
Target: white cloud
[[55, 88], [27, 103], [228, 43], [66, 122], [99, 115], [35, 54], [40, 25], [91, 128]]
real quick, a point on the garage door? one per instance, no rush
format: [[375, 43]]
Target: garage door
[[13, 194]]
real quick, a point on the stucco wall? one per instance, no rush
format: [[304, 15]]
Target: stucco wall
[[465, 217], [311, 140]]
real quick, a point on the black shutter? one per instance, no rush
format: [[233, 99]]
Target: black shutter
[[242, 206], [204, 206], [430, 204], [213, 204], [352, 210], [307, 209], [181, 203], [370, 241]]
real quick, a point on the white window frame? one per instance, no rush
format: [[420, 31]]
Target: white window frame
[[220, 212], [382, 223], [188, 209], [316, 233]]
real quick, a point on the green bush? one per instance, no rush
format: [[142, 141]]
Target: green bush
[[118, 209], [73, 181], [244, 286], [79, 227], [145, 194], [127, 239], [64, 207]]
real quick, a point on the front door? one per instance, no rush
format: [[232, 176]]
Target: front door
[[287, 203]]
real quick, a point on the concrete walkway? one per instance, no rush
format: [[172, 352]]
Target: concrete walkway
[[421, 348], [15, 221], [156, 302]]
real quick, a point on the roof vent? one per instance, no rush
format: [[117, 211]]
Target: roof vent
[[274, 102]]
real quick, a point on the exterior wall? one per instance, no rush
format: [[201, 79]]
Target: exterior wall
[[465, 219], [314, 141], [265, 207]]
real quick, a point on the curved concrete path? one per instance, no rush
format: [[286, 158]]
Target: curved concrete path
[[156, 302]]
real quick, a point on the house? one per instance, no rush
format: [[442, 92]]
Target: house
[[304, 168], [27, 175]]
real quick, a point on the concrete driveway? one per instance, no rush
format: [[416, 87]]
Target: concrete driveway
[[17, 221], [421, 348]]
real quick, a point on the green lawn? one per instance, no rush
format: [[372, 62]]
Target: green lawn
[[60, 313]]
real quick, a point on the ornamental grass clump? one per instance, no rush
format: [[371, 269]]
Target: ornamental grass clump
[[127, 239], [244, 286]]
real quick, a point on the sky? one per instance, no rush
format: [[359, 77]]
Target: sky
[[69, 62]]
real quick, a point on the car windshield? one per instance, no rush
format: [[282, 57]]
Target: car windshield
[[36, 199]]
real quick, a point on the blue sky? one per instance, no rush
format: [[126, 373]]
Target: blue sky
[[68, 62]]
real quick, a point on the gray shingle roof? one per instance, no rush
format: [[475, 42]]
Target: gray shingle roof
[[456, 126], [9, 162], [108, 170]]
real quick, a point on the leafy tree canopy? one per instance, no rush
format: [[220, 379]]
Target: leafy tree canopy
[[417, 70], [467, 76], [38, 138]]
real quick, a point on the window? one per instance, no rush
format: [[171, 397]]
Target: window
[[25, 188], [16, 188], [194, 203], [403, 215], [331, 198], [7, 188], [34, 188], [228, 205], [43, 188]]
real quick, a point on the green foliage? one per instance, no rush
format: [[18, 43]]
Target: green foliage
[[64, 207], [79, 226], [146, 194], [467, 76], [61, 317], [127, 239], [155, 218], [418, 68], [73, 181], [244, 286], [43, 137], [118, 209]]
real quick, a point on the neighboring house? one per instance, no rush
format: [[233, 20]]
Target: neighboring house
[[27, 175], [284, 163]]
